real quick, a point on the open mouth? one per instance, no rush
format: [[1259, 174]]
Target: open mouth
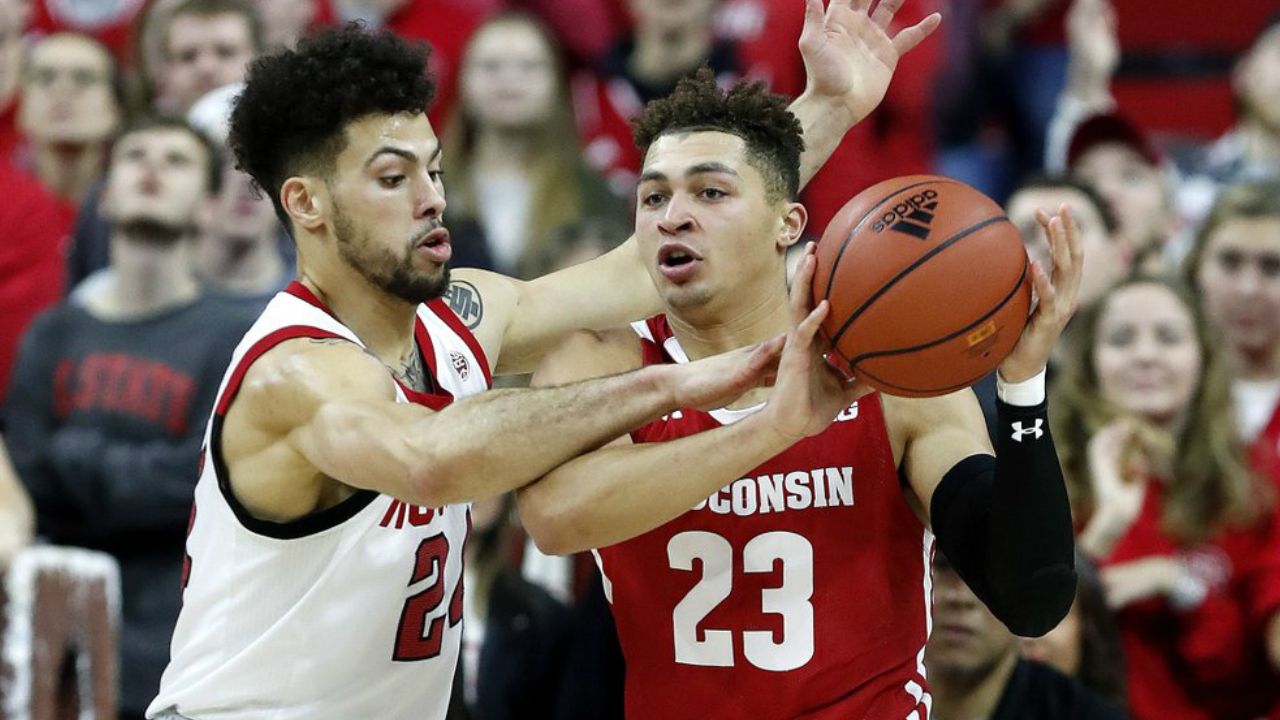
[[435, 245], [674, 256]]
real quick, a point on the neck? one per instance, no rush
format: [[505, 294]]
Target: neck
[[68, 170], [147, 277], [1261, 143], [502, 149], [662, 56], [240, 265], [706, 331], [1256, 364], [960, 696], [383, 322]]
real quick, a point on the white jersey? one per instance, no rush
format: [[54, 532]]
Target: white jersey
[[353, 612]]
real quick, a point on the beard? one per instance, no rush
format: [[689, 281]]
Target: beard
[[382, 268]]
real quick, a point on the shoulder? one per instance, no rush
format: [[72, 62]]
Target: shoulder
[[588, 353], [284, 387]]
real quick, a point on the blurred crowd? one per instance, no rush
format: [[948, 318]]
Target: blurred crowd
[[135, 255]]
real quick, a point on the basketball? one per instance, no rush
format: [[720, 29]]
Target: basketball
[[929, 285]]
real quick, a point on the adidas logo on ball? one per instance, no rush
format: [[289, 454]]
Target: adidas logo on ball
[[913, 216]]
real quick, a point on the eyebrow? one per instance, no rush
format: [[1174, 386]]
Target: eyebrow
[[699, 169], [406, 154]]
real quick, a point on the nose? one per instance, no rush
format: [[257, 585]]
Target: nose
[[676, 218], [1249, 280], [430, 202], [950, 591]]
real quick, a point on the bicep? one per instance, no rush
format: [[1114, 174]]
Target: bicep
[[310, 410], [938, 433], [599, 294]]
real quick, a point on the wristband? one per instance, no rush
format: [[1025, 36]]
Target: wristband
[[1028, 393]]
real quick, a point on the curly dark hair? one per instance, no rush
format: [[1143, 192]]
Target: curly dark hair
[[772, 134], [296, 105]]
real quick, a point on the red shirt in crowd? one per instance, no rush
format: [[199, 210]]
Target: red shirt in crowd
[[35, 228], [1207, 662]]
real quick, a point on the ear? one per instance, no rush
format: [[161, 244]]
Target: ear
[[793, 223], [305, 201]]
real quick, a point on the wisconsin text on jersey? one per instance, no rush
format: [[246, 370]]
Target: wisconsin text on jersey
[[779, 492]]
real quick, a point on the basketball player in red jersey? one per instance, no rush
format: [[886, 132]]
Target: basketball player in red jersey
[[761, 564], [329, 519]]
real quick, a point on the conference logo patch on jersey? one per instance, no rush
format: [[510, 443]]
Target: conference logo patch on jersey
[[779, 492], [465, 301], [460, 364]]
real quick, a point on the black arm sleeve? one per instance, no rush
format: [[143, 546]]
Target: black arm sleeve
[[1004, 524]]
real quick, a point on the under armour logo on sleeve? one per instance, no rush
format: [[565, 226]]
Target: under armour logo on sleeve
[[1019, 431]]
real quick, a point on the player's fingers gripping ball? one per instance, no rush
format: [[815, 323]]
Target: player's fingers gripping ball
[[929, 285]]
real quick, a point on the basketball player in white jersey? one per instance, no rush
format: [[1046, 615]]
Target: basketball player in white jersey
[[324, 556]]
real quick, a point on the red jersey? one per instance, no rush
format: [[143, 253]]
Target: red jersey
[[1208, 662], [800, 591]]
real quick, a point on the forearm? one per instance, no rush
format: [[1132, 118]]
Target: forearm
[[1005, 523], [502, 440], [824, 122], [622, 491]]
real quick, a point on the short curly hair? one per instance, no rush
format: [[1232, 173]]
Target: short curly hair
[[296, 104], [771, 132]]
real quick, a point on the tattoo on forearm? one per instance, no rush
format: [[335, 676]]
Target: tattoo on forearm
[[465, 301]]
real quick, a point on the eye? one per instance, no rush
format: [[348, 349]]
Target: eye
[[1269, 265], [1120, 337], [390, 181], [713, 193], [1171, 335], [653, 200], [437, 176], [1230, 261]]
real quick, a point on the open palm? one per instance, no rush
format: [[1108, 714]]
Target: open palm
[[849, 54]]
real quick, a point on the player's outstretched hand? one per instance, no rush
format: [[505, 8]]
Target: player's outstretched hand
[[718, 380], [1057, 295], [849, 54], [808, 393]]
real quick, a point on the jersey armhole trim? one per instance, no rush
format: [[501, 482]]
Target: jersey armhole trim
[[450, 318], [303, 526]]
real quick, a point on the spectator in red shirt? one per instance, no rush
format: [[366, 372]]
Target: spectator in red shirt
[[71, 105], [1186, 534], [35, 226], [1235, 266]]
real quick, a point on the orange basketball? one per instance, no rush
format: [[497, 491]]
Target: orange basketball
[[929, 285]]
